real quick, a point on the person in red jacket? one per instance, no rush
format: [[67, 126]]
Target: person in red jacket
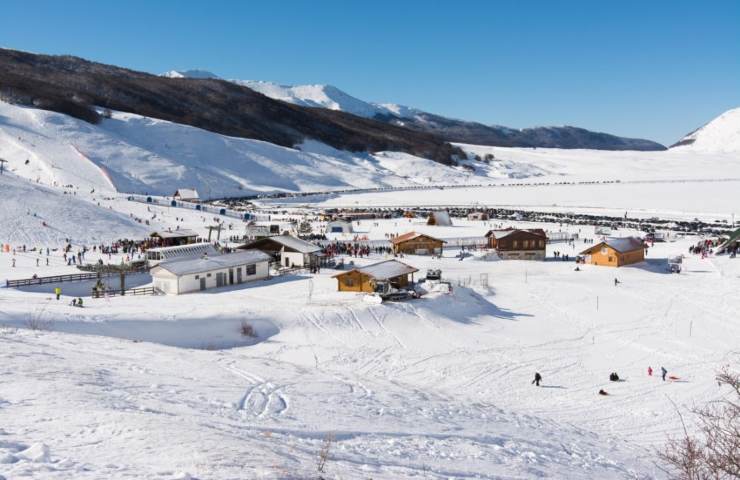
[[650, 371]]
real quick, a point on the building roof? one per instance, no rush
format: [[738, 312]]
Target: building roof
[[384, 270], [174, 234], [410, 236], [621, 245], [287, 241], [186, 193], [207, 264], [192, 249], [508, 231]]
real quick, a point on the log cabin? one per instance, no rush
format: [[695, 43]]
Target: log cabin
[[518, 244], [615, 252], [413, 243], [365, 279]]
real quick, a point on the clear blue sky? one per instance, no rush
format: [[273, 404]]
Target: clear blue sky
[[653, 69]]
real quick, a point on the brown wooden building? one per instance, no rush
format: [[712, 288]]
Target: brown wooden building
[[365, 279], [615, 252], [413, 243], [518, 244]]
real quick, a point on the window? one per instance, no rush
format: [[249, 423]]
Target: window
[[208, 275], [349, 282], [251, 269], [516, 243], [525, 244], [197, 277], [542, 244]]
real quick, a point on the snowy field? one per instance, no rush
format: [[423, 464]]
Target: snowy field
[[707, 200], [166, 387]]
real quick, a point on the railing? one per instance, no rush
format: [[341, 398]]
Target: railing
[[72, 277], [100, 293]]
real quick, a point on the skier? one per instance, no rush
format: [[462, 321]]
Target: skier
[[663, 372], [537, 378], [650, 371]]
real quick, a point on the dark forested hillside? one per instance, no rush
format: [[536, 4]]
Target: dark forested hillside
[[75, 86]]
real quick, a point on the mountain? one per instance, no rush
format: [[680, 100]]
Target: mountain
[[189, 74], [721, 135], [453, 130], [75, 86]]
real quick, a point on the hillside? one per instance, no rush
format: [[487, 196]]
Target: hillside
[[132, 153], [721, 135], [453, 130], [35, 215], [75, 86]]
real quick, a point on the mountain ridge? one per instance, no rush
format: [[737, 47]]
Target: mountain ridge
[[451, 129]]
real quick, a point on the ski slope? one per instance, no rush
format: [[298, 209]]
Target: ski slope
[[131, 153], [35, 215]]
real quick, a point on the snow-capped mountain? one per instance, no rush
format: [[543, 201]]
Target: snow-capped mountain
[[189, 74], [453, 130], [721, 135]]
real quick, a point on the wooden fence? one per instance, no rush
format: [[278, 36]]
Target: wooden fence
[[72, 277], [96, 293]]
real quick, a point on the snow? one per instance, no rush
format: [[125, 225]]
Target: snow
[[433, 388], [131, 153], [721, 135], [27, 206], [326, 96]]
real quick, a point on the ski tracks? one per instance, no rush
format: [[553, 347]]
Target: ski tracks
[[261, 398]]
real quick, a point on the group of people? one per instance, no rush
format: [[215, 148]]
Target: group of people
[[613, 377]]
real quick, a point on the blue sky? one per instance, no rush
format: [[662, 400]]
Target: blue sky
[[652, 69]]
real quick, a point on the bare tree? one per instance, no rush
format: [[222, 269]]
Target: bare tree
[[714, 452]]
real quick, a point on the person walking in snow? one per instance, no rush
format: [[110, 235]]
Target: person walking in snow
[[650, 371], [58, 292], [537, 379], [663, 372], [616, 282]]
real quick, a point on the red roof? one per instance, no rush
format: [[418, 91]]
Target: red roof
[[410, 236]]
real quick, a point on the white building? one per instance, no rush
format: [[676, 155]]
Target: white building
[[339, 226], [190, 275], [186, 195], [288, 250], [155, 256]]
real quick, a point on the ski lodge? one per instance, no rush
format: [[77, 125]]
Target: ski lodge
[[288, 250], [615, 252], [170, 238], [413, 243], [518, 244], [365, 279], [186, 195], [190, 275], [440, 219]]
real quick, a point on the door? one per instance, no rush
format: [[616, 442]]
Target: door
[[239, 275], [220, 279], [231, 276], [202, 283]]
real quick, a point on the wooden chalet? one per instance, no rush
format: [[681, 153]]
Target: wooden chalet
[[518, 244], [365, 279], [615, 252], [413, 243], [171, 238], [289, 251]]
